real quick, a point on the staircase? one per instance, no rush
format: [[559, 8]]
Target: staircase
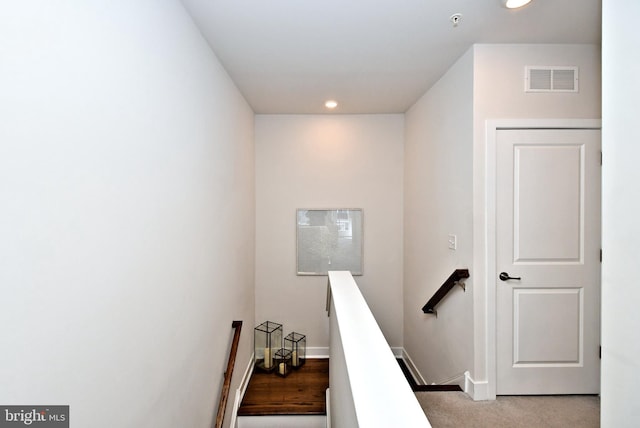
[[368, 388], [296, 401]]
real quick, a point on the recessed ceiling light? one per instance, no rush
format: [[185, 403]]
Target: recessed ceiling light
[[331, 104], [514, 4]]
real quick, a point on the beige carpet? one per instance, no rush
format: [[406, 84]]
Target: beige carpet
[[456, 409]]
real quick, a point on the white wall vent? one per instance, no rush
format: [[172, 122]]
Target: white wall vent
[[550, 79]]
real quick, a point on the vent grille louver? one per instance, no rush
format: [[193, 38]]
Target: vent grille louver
[[550, 79]]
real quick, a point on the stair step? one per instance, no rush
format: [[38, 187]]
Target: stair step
[[281, 421], [301, 393]]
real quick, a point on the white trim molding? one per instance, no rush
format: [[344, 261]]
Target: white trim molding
[[318, 352], [417, 376], [458, 379], [244, 383], [328, 407], [478, 391], [398, 351]]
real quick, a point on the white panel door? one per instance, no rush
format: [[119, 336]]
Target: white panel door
[[548, 255]]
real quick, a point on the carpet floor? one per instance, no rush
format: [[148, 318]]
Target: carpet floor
[[456, 409]]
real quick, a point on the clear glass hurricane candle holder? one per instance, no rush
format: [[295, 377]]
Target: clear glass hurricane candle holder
[[297, 344], [282, 360], [267, 339]]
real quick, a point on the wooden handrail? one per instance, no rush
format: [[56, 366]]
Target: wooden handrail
[[453, 279], [237, 325]]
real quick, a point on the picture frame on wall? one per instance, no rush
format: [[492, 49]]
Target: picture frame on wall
[[329, 240]]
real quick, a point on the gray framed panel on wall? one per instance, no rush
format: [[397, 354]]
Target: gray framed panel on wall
[[329, 240]]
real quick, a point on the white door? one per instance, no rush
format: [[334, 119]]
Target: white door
[[548, 242]]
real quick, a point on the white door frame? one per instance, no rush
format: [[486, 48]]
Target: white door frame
[[492, 127]]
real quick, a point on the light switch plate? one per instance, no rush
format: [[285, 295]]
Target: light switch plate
[[453, 242]]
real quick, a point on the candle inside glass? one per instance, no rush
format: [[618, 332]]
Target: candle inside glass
[[282, 368], [294, 359], [267, 358]]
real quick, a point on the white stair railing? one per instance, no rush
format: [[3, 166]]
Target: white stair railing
[[368, 388]]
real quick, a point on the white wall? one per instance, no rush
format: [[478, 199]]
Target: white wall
[[437, 202], [620, 213], [445, 191], [127, 220], [327, 161], [499, 94]]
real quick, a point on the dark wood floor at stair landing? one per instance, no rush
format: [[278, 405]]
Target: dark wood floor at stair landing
[[300, 393]]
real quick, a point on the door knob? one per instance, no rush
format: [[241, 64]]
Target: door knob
[[505, 277]]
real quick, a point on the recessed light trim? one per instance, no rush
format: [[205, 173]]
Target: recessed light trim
[[331, 104], [514, 4]]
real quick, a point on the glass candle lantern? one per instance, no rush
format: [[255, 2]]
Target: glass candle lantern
[[267, 339], [282, 360], [297, 344]]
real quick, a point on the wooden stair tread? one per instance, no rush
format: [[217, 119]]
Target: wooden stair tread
[[300, 393]]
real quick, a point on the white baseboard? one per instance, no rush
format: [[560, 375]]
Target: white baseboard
[[398, 351], [318, 352], [244, 382], [417, 376], [458, 379], [328, 406], [477, 390]]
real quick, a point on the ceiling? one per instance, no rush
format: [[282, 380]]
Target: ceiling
[[372, 56]]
